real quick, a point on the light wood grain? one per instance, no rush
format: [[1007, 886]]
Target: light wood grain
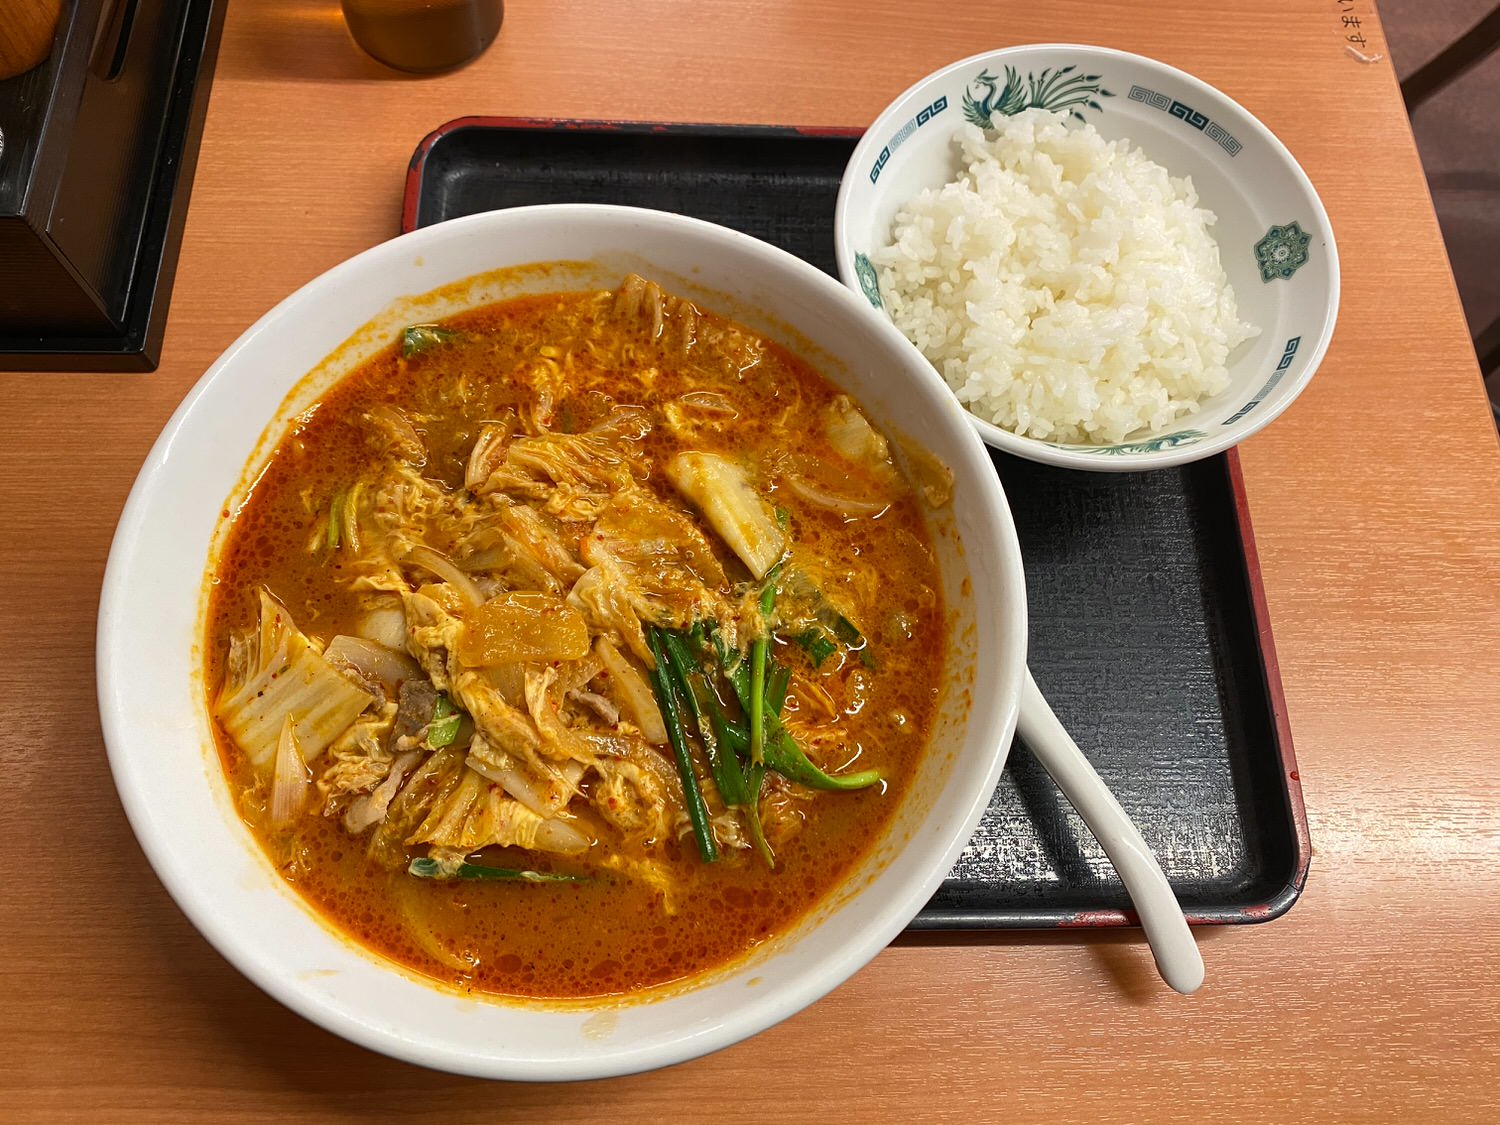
[[1376, 502]]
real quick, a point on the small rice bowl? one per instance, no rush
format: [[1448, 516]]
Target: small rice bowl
[[1066, 286]]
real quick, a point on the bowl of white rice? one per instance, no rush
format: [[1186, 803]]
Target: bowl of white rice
[[1112, 264]]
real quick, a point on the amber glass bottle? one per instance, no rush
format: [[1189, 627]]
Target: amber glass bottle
[[26, 31], [424, 36]]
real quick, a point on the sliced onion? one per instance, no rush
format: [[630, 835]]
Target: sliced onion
[[373, 661], [385, 624], [559, 836], [608, 744], [632, 692], [416, 907], [658, 767], [558, 739], [818, 495], [487, 453], [545, 798], [444, 567], [509, 680], [399, 429], [372, 807], [710, 401], [292, 781]]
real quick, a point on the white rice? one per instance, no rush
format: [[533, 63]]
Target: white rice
[[1065, 286]]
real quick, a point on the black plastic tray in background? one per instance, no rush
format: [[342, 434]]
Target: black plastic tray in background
[[1148, 631], [135, 126]]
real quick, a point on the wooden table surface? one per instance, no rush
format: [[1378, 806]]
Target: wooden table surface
[[1376, 502]]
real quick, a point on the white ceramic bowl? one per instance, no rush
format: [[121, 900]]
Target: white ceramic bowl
[[1274, 237], [151, 692]]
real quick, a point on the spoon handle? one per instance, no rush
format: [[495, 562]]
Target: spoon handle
[[1172, 944]]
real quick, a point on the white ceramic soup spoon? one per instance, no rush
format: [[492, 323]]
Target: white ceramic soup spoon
[[1172, 944]]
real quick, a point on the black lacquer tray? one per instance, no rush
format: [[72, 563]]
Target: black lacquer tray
[[1148, 627]]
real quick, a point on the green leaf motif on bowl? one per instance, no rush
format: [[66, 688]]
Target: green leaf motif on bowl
[[869, 284], [1149, 445], [1056, 90], [1282, 252]]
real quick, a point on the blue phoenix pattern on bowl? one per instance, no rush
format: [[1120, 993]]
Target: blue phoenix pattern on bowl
[[1054, 90], [1147, 445]]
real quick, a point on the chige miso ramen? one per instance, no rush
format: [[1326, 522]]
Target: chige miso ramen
[[577, 644]]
